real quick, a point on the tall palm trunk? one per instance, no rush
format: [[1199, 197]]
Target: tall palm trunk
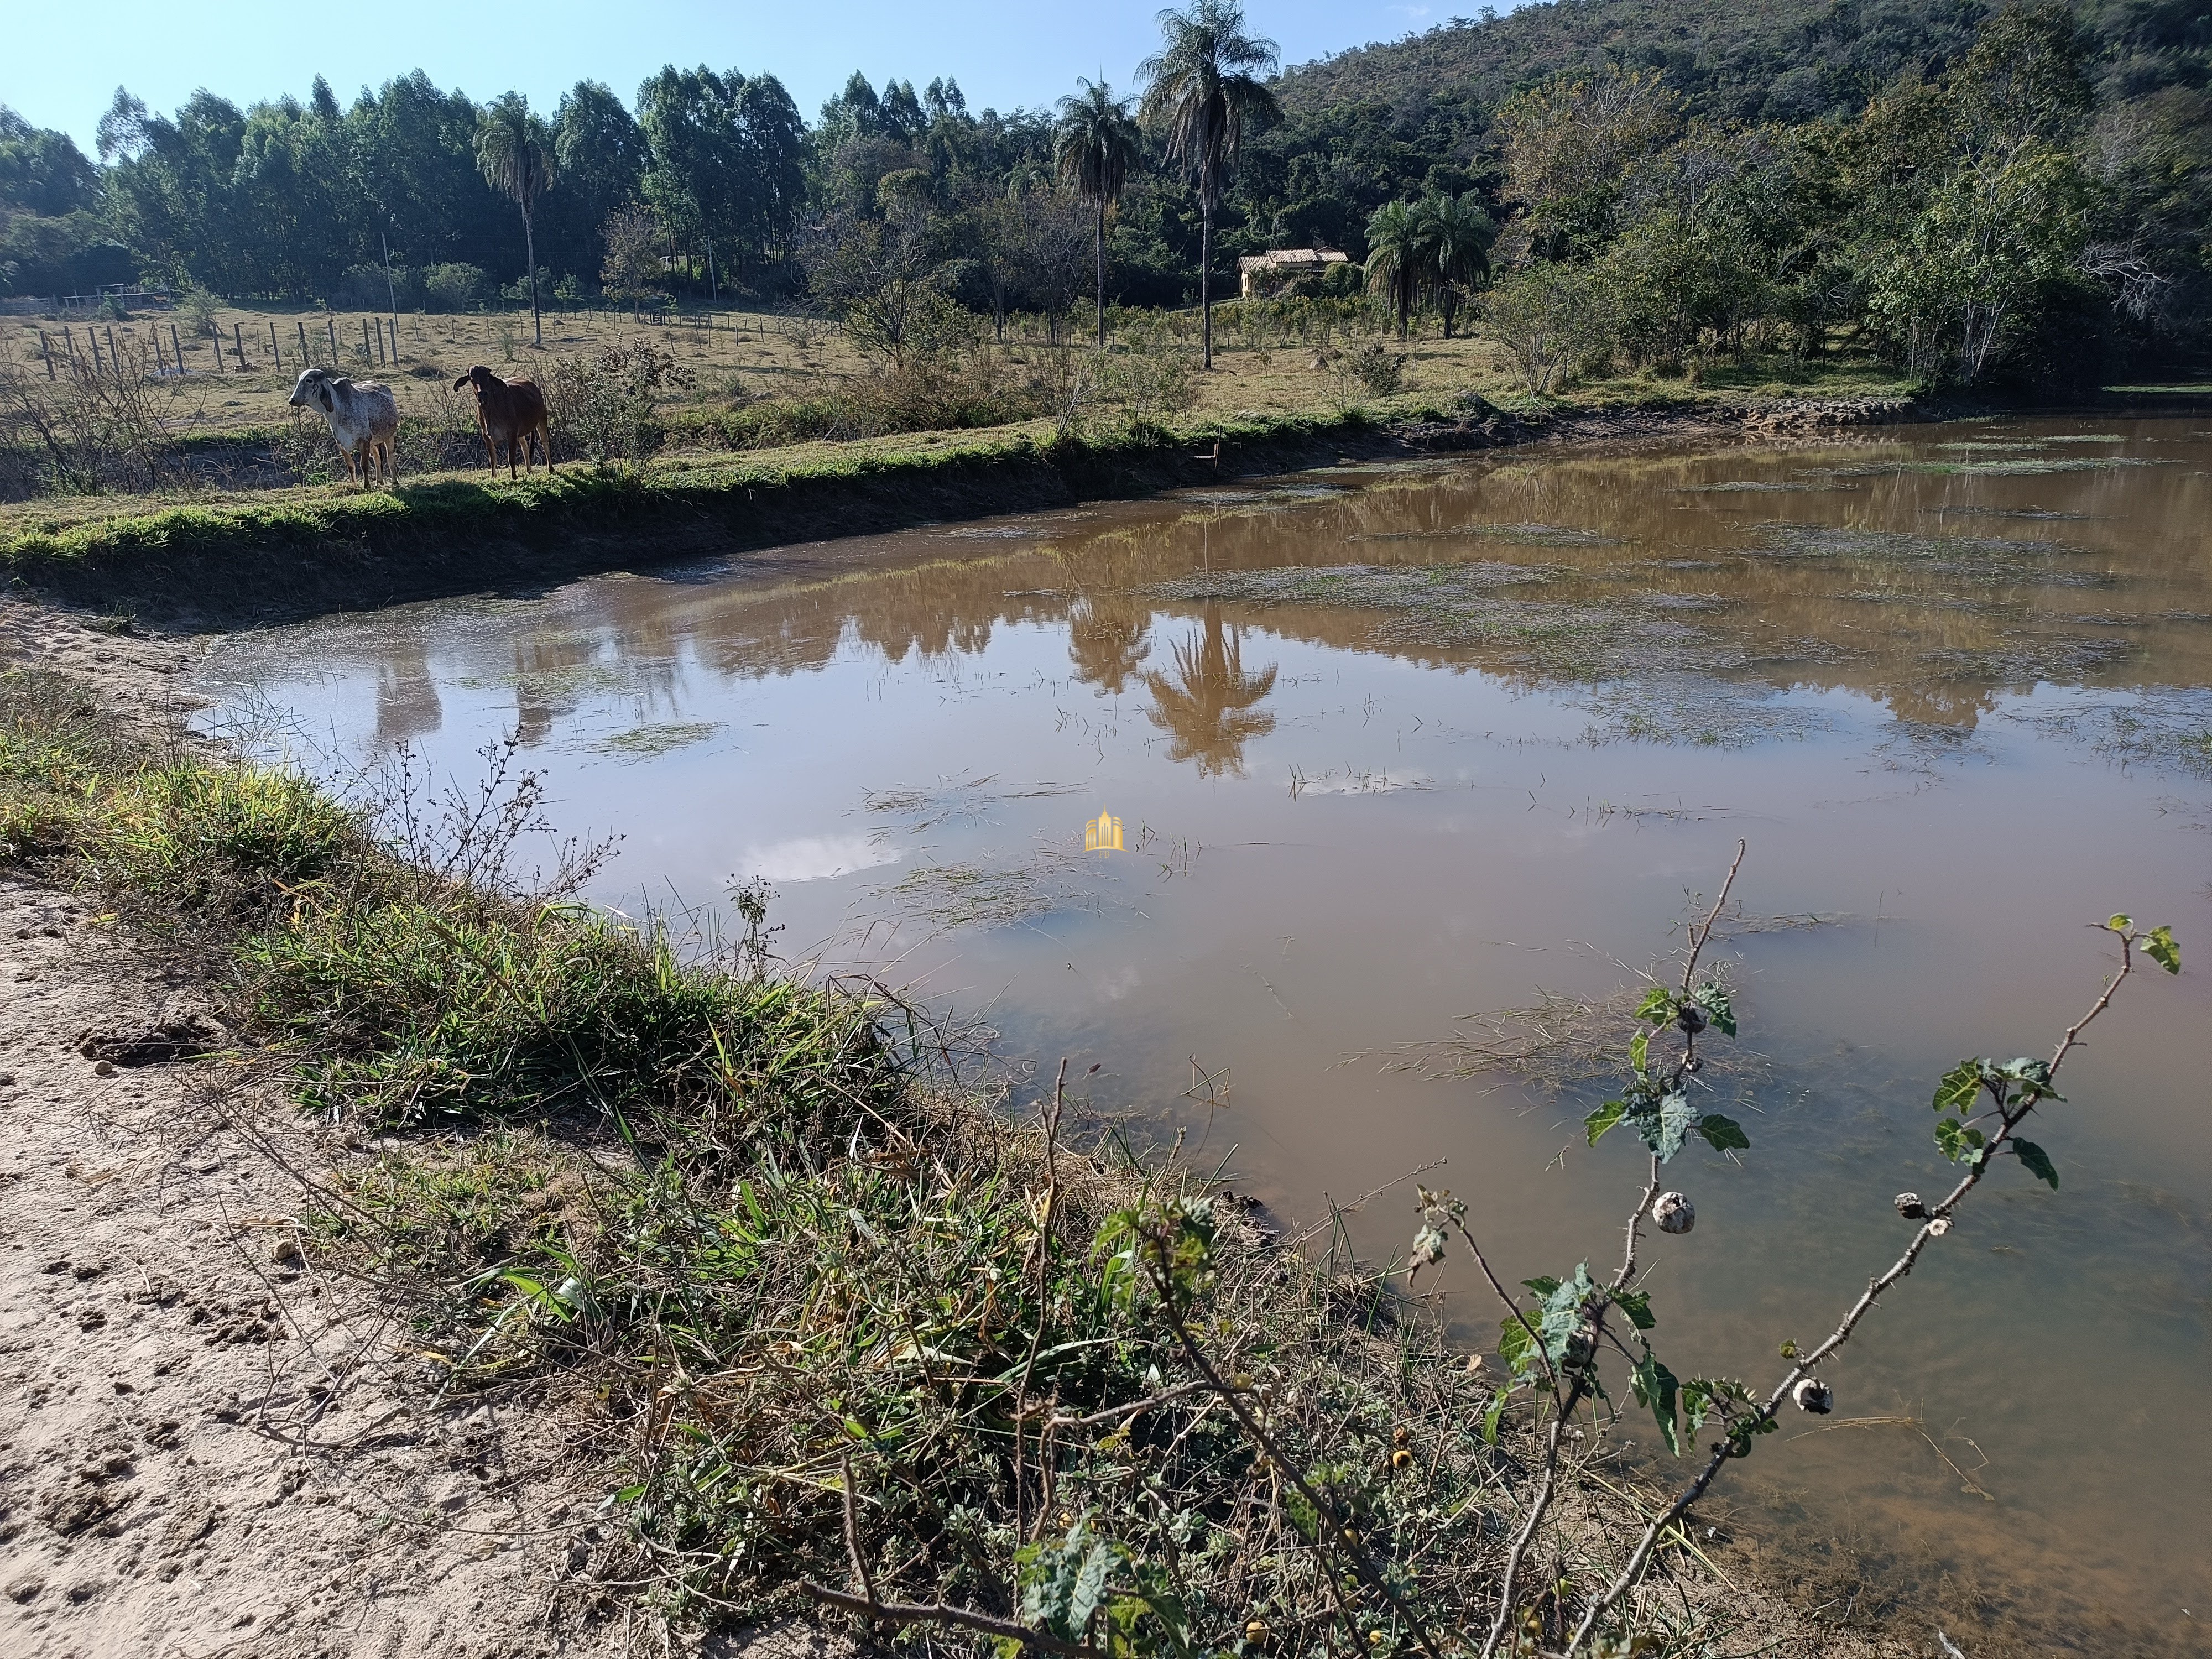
[[530, 252], [1206, 279], [1102, 273]]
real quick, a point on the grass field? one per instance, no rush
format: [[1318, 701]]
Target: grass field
[[737, 355]]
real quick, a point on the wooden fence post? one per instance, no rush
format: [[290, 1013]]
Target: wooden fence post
[[114, 357], [160, 363], [276, 352], [330, 328], [366, 354], [238, 343], [395, 339], [46, 351], [93, 340], [177, 348], [303, 341]]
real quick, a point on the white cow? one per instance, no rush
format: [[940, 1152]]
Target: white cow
[[364, 421]]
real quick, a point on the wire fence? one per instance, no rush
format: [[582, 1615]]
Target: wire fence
[[158, 349]]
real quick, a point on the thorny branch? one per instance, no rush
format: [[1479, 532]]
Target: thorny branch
[[1565, 1406], [1936, 1224]]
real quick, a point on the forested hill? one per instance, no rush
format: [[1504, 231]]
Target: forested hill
[[1784, 61]]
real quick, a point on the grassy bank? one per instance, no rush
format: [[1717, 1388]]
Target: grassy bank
[[809, 1297], [246, 556]]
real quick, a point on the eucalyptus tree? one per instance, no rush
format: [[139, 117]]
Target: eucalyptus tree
[[514, 152], [1459, 235], [1400, 258], [1095, 144], [1205, 87]]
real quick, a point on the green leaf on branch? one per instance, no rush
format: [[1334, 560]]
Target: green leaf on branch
[[1708, 1396], [1959, 1143], [1657, 1007], [1674, 1121], [2029, 1074], [1639, 1051], [2159, 945], [1559, 1324], [2036, 1161], [1723, 1133], [1515, 1347], [2121, 924], [1605, 1117], [1636, 1305], [1956, 1092], [1656, 1386], [1489, 1418], [1064, 1583], [1543, 1284], [1718, 1009]]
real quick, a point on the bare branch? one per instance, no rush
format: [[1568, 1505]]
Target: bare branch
[[904, 1612]]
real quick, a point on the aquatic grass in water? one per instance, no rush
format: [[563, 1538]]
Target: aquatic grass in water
[[2164, 727], [991, 894], [643, 743], [1761, 487], [1974, 558], [1381, 587], [2022, 466]]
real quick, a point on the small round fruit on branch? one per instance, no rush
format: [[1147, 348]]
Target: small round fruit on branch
[[1675, 1214]]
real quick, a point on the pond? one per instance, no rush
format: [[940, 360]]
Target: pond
[[1394, 748]]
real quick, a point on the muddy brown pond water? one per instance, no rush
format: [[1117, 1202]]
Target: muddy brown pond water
[[1394, 746]]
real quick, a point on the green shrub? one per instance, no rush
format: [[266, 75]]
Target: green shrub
[[453, 287]]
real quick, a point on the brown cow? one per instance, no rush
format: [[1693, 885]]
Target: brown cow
[[509, 412]]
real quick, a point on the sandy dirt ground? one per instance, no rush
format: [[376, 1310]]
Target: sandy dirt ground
[[206, 1446]]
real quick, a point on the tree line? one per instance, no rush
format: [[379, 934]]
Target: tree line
[[2025, 191]]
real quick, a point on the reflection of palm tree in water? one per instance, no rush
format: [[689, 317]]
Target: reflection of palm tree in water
[[407, 702], [1107, 635], [1209, 704]]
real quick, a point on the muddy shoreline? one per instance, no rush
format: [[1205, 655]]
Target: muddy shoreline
[[199, 570], [237, 565]]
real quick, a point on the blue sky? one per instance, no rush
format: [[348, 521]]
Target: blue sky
[[60, 69]]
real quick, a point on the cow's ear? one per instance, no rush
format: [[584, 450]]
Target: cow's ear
[[458, 384], [325, 393]]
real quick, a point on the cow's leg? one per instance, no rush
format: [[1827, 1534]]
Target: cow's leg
[[491, 451], [545, 442], [351, 477], [515, 440]]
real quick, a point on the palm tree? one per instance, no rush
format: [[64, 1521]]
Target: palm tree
[[1459, 235], [514, 152], [1210, 707], [1399, 257], [1095, 143], [1204, 86]]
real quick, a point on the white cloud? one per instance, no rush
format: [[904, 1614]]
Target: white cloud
[[814, 858]]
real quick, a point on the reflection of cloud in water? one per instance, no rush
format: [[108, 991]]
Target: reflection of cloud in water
[[814, 858]]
